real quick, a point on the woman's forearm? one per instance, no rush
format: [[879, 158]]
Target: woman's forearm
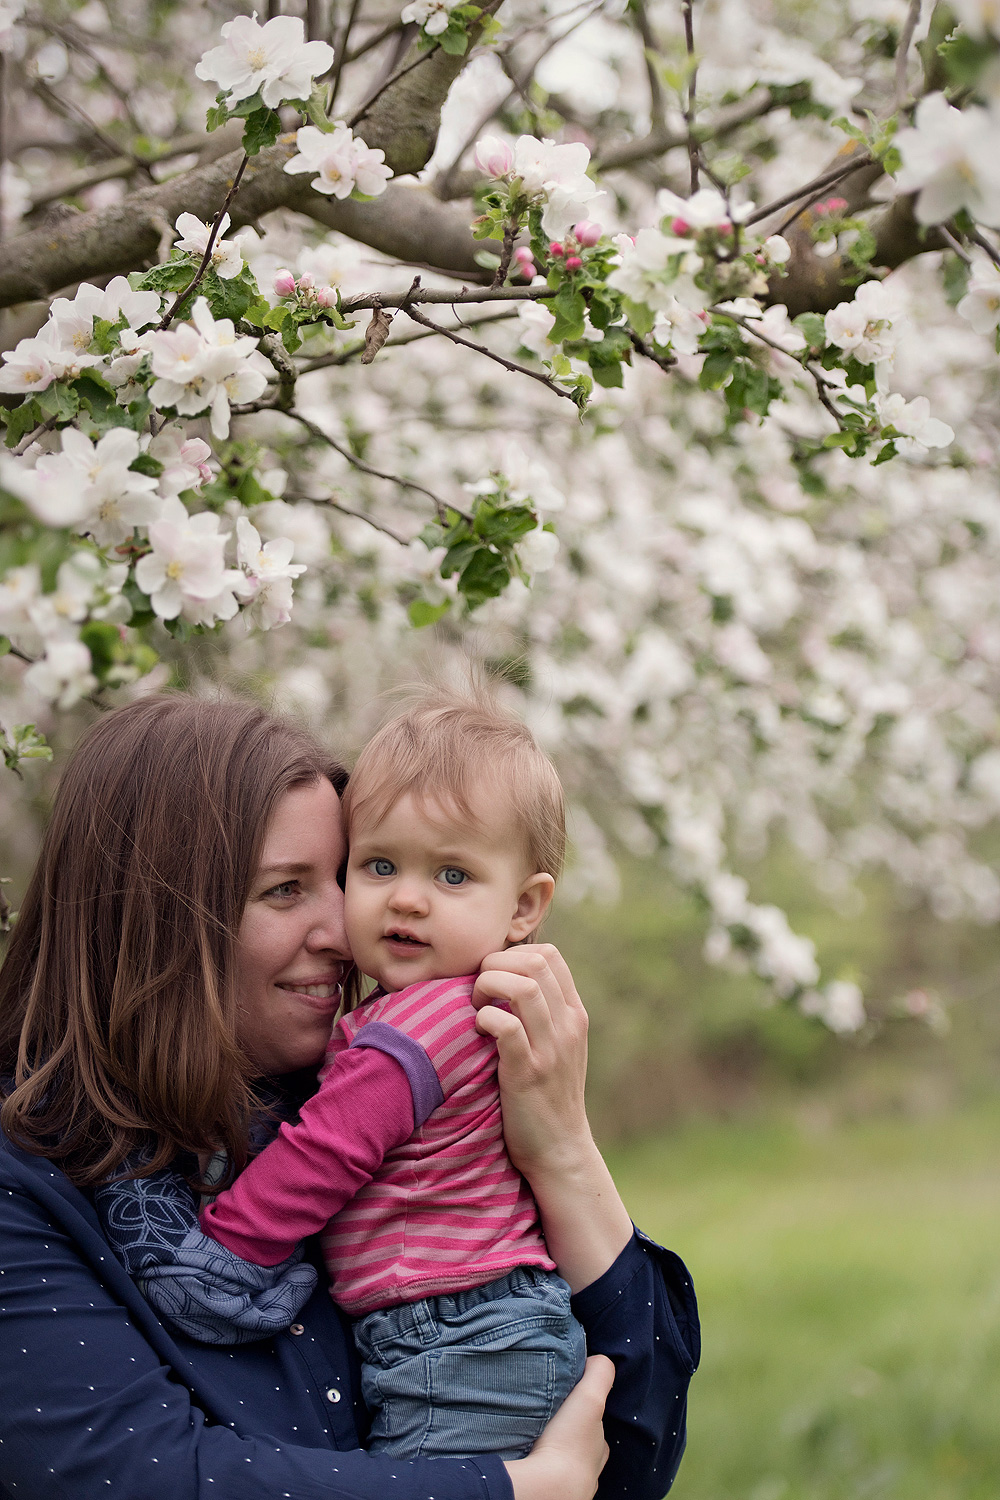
[[586, 1224]]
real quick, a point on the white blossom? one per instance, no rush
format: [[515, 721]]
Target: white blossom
[[343, 162], [63, 675], [75, 317], [778, 249], [185, 572], [679, 327], [193, 236], [537, 551], [656, 271], [913, 419], [776, 325], [840, 1005], [705, 209], [556, 177], [273, 60], [432, 15], [85, 585], [980, 18], [20, 589], [980, 306], [863, 327], [534, 323], [203, 365], [270, 571], [951, 158], [184, 459]]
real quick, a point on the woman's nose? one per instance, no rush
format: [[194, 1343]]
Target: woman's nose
[[328, 933]]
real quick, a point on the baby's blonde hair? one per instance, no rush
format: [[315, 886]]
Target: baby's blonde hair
[[446, 746]]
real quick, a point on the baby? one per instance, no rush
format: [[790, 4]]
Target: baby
[[456, 834]]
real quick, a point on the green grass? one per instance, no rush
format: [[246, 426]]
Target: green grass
[[849, 1285]]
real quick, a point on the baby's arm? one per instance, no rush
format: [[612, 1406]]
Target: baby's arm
[[376, 1092]]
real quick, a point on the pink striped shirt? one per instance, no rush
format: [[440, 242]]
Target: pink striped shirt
[[403, 1146], [446, 1210]]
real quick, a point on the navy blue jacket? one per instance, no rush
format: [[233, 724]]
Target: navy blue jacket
[[98, 1399]]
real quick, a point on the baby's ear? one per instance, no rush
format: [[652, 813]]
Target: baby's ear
[[533, 902]]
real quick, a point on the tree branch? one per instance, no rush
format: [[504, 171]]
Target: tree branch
[[358, 463], [508, 364], [727, 119]]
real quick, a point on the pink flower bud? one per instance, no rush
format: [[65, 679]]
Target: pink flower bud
[[493, 156], [326, 296], [573, 263], [836, 205], [284, 283], [556, 248], [587, 233], [724, 226], [306, 282], [523, 254], [680, 226], [528, 269]]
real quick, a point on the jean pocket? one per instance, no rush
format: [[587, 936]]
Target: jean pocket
[[483, 1389]]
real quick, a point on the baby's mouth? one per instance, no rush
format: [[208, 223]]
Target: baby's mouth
[[405, 938]]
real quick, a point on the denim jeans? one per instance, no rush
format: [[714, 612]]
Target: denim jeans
[[480, 1371]]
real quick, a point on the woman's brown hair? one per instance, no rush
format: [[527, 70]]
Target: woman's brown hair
[[117, 1003]]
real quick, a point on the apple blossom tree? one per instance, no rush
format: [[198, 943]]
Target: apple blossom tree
[[645, 353]]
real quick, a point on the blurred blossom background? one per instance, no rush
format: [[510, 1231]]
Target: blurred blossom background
[[766, 666]]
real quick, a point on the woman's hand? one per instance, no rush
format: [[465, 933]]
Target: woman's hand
[[567, 1459], [542, 1043]]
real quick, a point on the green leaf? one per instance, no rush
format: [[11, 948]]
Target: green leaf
[[251, 492], [216, 115], [716, 370], [60, 402], [171, 276], [146, 464], [488, 259], [812, 328], [454, 41], [485, 576], [965, 59], [640, 316], [570, 309], [315, 110], [611, 377], [102, 640], [20, 421], [839, 440], [422, 613], [888, 451], [229, 298], [262, 129]]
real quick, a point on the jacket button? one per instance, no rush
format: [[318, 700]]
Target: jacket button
[[296, 1328], [333, 1394]]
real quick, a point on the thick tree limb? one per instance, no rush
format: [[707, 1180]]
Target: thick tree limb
[[408, 223], [403, 120]]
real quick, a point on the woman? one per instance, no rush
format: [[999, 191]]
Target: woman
[[176, 957]]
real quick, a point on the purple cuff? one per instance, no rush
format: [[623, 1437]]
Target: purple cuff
[[413, 1060]]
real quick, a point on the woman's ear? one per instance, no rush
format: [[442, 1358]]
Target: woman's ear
[[533, 902]]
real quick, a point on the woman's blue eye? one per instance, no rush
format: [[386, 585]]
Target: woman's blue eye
[[383, 867], [453, 876], [286, 888]]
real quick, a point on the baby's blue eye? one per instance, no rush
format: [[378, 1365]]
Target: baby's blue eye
[[382, 867], [453, 876]]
